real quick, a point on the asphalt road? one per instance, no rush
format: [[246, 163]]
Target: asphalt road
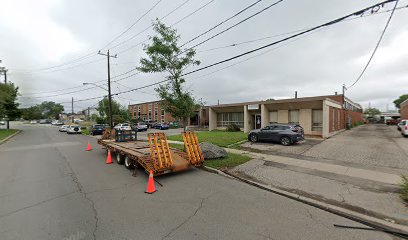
[[51, 188]]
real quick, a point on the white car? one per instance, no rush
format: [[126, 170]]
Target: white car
[[123, 126], [33, 122], [2, 123], [74, 129], [404, 127], [63, 128]]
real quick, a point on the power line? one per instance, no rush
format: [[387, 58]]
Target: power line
[[236, 24], [180, 20], [357, 13], [147, 28], [294, 31], [376, 46], [292, 36], [132, 25], [222, 22]]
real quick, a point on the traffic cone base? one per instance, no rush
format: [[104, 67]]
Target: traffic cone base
[[88, 148], [150, 184], [109, 158]]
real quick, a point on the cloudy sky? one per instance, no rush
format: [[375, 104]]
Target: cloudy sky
[[50, 48]]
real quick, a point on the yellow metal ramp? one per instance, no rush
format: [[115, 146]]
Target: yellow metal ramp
[[160, 151], [194, 153]]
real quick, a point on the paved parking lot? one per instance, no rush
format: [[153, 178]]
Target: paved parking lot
[[371, 144]]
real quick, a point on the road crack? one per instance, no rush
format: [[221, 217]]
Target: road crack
[[82, 192]]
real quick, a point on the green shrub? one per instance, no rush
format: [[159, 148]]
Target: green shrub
[[233, 128]]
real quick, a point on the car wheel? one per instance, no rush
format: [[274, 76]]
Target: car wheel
[[129, 163], [285, 141], [120, 158], [253, 138]]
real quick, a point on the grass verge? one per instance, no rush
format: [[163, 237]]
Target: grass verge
[[232, 160], [219, 138], [5, 133], [404, 185]]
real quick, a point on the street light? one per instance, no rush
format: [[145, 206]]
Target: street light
[[110, 101], [86, 83]]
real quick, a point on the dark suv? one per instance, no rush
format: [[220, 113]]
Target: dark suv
[[286, 134]]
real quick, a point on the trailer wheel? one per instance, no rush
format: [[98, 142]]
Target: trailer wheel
[[120, 159], [129, 164]]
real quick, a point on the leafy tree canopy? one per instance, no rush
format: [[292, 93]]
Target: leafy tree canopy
[[165, 55], [372, 112], [399, 100]]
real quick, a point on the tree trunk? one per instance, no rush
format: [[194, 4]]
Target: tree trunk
[[184, 123], [8, 124]]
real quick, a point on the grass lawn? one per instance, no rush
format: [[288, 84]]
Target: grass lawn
[[5, 133], [219, 138], [404, 186], [229, 162]]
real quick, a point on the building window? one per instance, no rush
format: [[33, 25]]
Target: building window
[[317, 120], [294, 116], [273, 117], [226, 119]]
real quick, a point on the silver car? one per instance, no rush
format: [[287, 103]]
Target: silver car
[[403, 124]]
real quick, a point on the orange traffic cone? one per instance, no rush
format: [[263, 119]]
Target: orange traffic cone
[[150, 184], [109, 158], [88, 148]]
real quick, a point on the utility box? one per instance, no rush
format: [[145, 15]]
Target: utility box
[[125, 135]]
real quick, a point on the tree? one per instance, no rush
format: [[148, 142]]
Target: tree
[[51, 109], [8, 102], [31, 113], [399, 100], [119, 112], [371, 112], [164, 55]]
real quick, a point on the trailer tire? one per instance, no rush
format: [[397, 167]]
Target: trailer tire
[[129, 163], [120, 158]]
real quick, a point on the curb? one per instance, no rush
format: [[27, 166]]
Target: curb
[[7, 138], [376, 223]]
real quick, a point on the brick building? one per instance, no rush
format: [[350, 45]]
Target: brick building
[[151, 111], [321, 116], [404, 109]]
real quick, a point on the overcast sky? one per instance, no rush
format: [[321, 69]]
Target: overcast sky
[[39, 37]]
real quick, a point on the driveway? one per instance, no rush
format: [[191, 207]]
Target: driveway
[[367, 145]]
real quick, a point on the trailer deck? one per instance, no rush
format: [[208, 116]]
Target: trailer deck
[[155, 155]]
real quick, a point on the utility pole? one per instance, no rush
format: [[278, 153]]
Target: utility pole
[[345, 113], [89, 113], [109, 86], [4, 70], [72, 109]]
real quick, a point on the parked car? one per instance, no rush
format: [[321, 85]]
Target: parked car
[[400, 124], [404, 127], [161, 126], [58, 123], [2, 123], [43, 121], [74, 129], [96, 129], [141, 126], [286, 134], [123, 126], [63, 128], [150, 123], [391, 121], [77, 121], [33, 122]]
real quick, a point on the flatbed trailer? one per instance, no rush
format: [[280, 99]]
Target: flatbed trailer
[[155, 155]]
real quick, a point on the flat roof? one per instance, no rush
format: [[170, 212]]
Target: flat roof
[[286, 100]]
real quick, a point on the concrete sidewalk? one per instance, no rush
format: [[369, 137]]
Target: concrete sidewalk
[[326, 167], [373, 193]]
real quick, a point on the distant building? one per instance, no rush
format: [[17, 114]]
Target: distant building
[[404, 109], [320, 116], [152, 111]]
